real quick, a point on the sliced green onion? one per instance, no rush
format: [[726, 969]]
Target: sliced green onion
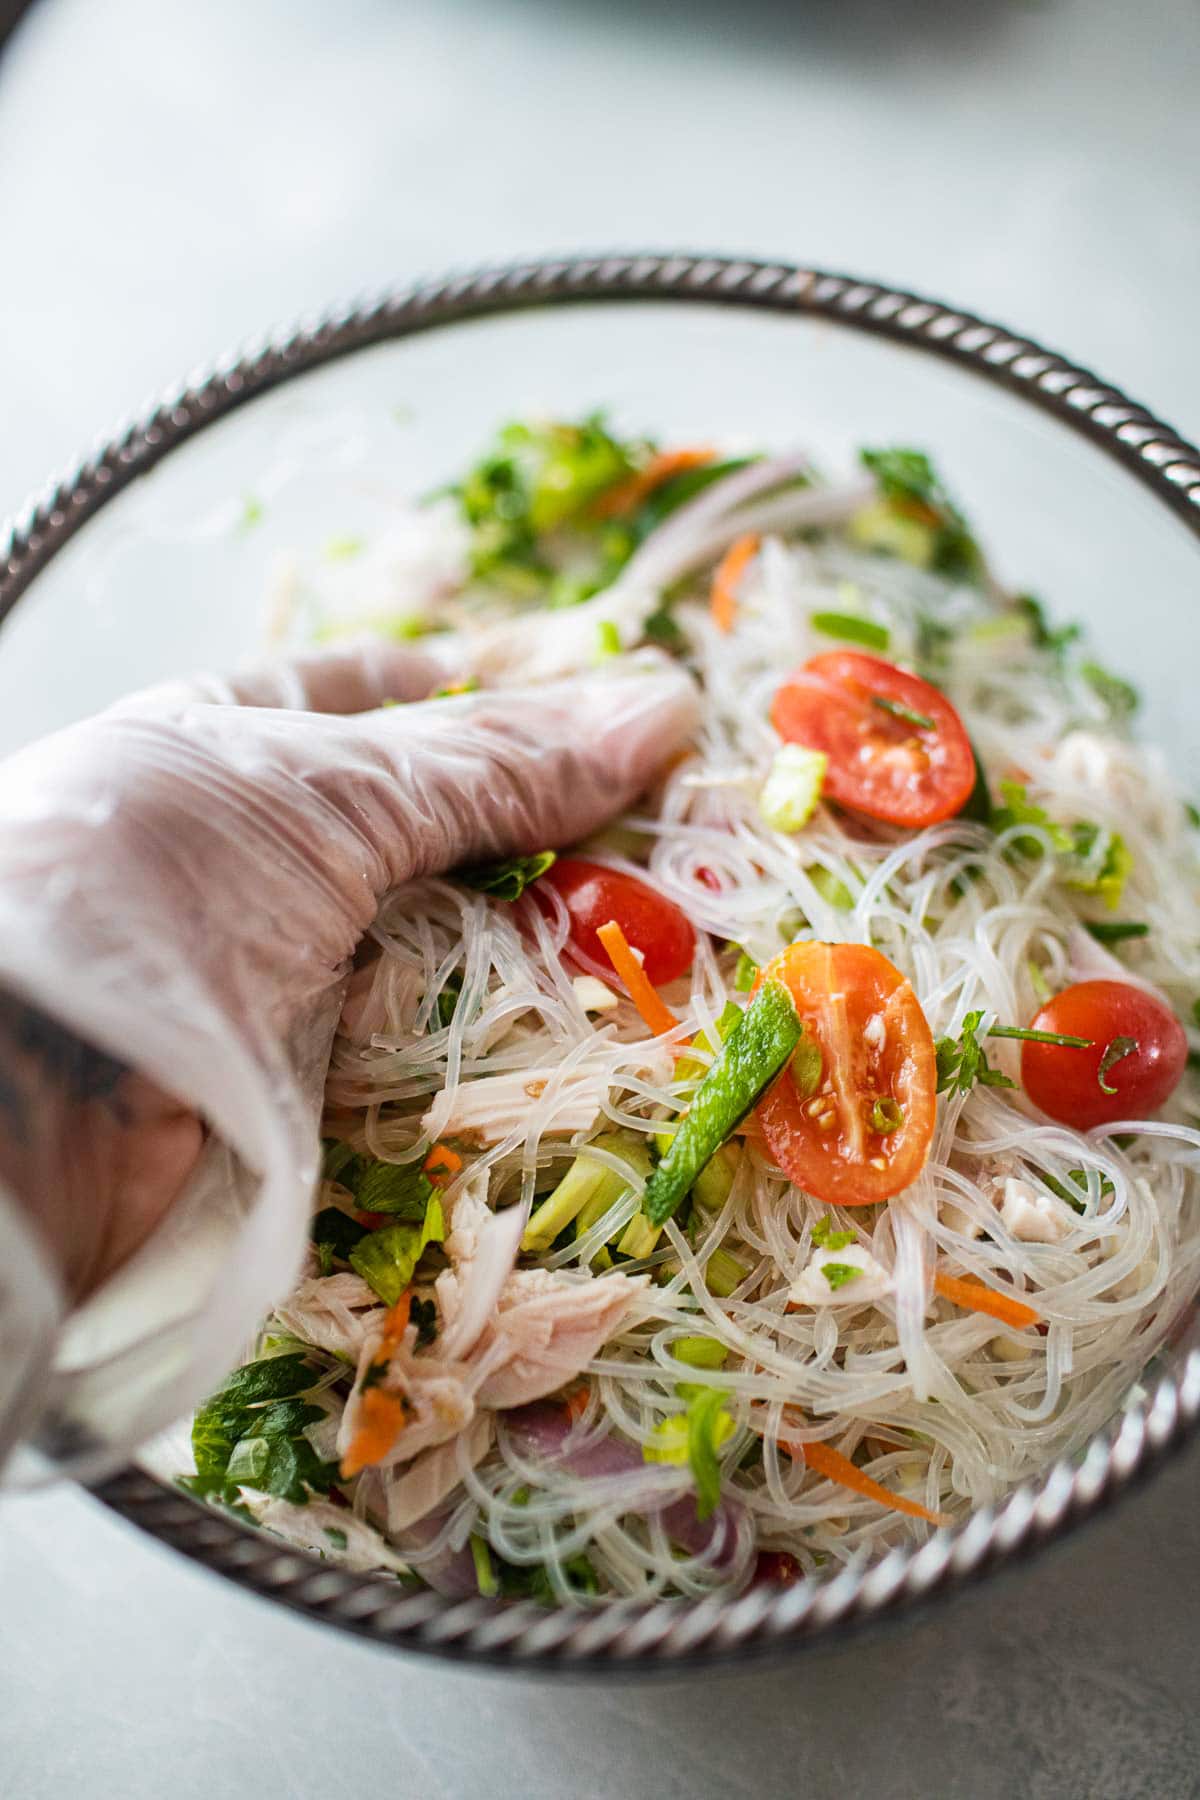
[[485, 1574], [831, 888], [755, 1051], [851, 629], [790, 793], [1115, 931], [886, 1116], [899, 711], [1041, 1037], [386, 1259]]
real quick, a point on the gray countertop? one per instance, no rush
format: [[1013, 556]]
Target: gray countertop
[[173, 178]]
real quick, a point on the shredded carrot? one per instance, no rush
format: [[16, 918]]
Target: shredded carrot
[[730, 570], [380, 1421], [576, 1402], [827, 1461], [629, 494], [640, 988], [977, 1298], [444, 1161], [395, 1323]]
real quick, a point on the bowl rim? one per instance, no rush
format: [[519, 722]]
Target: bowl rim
[[626, 1637]]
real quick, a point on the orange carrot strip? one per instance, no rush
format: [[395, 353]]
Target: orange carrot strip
[[730, 570], [629, 494], [380, 1422], [640, 988], [442, 1160], [977, 1298], [576, 1402], [395, 1323], [835, 1467]]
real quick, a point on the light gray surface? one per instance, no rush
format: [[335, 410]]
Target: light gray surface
[[173, 177]]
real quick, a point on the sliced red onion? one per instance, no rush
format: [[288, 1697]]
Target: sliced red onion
[[448, 1572], [540, 1433]]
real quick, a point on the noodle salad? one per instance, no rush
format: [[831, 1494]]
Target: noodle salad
[[800, 1162]]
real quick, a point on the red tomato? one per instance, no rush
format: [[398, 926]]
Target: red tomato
[[654, 925], [878, 1065], [897, 749], [1144, 1069]]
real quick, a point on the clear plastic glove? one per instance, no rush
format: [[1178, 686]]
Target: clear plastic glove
[[183, 882]]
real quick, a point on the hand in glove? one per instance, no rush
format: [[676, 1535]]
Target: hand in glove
[[183, 882]]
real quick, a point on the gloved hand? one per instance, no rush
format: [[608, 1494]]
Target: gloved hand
[[183, 882]]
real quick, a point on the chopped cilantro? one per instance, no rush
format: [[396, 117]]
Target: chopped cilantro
[[1075, 1201], [839, 1274], [962, 1061], [447, 1000], [336, 1537], [1044, 635]]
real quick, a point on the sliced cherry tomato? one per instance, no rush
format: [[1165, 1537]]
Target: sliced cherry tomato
[[1139, 1050], [856, 1128], [897, 749], [652, 924]]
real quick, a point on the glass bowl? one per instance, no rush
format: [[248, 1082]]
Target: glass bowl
[[156, 556]]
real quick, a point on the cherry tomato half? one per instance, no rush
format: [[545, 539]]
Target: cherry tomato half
[[652, 924], [861, 1130], [897, 749], [1141, 1040]]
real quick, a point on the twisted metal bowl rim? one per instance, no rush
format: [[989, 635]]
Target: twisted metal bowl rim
[[668, 1636]]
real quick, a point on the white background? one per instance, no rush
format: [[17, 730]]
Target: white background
[[174, 178]]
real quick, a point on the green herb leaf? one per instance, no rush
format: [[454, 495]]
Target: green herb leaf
[[342, 1164], [336, 1232], [1116, 1052], [826, 1237], [508, 880], [838, 1274], [851, 629], [909, 483], [400, 1188], [1044, 635], [257, 1407], [905, 713], [962, 1062], [1117, 695], [1072, 1199], [386, 1259]]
